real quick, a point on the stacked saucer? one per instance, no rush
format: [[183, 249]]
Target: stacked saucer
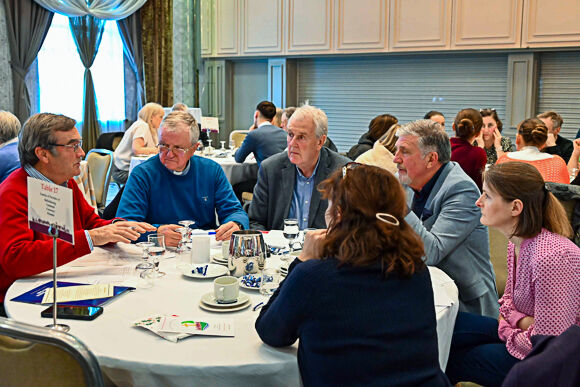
[[208, 302], [219, 259], [284, 269]]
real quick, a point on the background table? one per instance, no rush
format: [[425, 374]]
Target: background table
[[133, 356], [235, 172]]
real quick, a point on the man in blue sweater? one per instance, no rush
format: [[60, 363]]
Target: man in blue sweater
[[176, 185]]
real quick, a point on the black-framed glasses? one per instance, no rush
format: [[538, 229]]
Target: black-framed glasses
[[75, 147], [178, 151], [348, 166]]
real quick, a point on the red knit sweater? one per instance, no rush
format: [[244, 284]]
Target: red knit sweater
[[24, 252], [471, 158]]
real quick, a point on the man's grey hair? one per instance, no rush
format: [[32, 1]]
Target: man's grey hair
[[176, 121], [430, 137], [38, 131], [180, 107], [318, 116], [9, 126]]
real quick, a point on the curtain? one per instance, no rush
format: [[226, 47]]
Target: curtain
[[27, 24], [102, 9], [130, 31], [197, 66], [157, 25], [87, 32]]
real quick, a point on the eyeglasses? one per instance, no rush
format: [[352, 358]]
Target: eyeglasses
[[178, 151], [348, 166], [75, 147]]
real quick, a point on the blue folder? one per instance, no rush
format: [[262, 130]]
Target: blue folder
[[35, 295]]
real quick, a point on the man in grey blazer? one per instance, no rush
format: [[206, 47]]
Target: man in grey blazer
[[441, 201], [287, 181]]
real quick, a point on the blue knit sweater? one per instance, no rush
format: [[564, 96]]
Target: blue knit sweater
[[155, 195], [356, 328]]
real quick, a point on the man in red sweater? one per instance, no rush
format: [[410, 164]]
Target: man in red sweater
[[50, 150]]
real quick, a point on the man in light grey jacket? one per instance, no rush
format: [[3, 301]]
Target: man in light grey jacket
[[441, 200]]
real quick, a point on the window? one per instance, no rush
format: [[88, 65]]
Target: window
[[61, 75]]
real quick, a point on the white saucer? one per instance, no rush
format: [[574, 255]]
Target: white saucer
[[222, 310], [208, 299], [243, 285], [218, 258], [213, 270]]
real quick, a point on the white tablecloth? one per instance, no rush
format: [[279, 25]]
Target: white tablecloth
[[235, 172], [133, 356]]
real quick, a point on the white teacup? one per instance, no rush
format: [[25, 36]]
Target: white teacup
[[200, 248], [226, 289]]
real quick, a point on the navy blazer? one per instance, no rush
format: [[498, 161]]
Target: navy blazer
[[264, 142], [455, 240], [275, 188]]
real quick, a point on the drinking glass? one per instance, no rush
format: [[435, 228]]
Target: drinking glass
[[143, 278], [291, 232], [182, 245], [209, 148], [187, 224], [270, 281], [232, 145], [145, 265], [223, 148], [156, 252]]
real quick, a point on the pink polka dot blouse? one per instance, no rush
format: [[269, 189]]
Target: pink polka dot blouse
[[545, 285]]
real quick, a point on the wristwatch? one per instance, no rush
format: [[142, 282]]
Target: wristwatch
[[241, 226]]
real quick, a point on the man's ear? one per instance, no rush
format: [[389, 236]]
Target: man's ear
[[432, 159], [42, 154]]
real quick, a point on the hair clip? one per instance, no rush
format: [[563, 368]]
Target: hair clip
[[387, 218]]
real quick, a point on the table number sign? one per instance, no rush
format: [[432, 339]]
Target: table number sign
[[50, 205], [210, 124]]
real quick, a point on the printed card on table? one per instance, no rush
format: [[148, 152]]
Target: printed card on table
[[195, 326], [50, 204], [210, 123]]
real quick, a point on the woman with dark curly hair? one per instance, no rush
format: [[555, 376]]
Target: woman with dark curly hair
[[490, 138], [377, 127], [359, 296]]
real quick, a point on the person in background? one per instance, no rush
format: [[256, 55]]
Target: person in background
[[573, 163], [286, 114], [441, 209], [382, 153], [9, 128], [277, 120], [490, 138], [50, 150], [377, 127], [266, 139], [467, 126], [176, 185], [368, 263], [543, 298], [287, 180], [436, 116], [139, 139], [556, 144], [531, 137]]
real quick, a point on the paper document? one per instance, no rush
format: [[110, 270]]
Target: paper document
[[77, 293], [197, 326]]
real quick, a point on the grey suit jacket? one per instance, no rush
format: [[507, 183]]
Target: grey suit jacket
[[275, 187], [455, 240]]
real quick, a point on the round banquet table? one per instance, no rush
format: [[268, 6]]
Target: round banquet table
[[131, 355], [235, 172]]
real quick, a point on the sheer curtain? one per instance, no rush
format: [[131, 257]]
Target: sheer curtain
[[60, 76], [102, 9]]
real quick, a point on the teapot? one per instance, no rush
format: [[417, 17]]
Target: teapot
[[247, 254]]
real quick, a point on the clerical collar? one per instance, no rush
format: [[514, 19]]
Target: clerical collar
[[181, 173]]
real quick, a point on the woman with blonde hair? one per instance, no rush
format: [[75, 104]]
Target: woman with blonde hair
[[531, 137], [346, 295], [542, 292], [140, 139]]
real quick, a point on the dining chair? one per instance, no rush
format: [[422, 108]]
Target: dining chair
[[498, 256], [238, 137], [32, 355], [100, 164]]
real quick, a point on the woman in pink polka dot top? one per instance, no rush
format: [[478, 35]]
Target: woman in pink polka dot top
[[542, 293]]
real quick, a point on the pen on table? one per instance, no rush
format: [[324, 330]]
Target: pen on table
[[258, 306]]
